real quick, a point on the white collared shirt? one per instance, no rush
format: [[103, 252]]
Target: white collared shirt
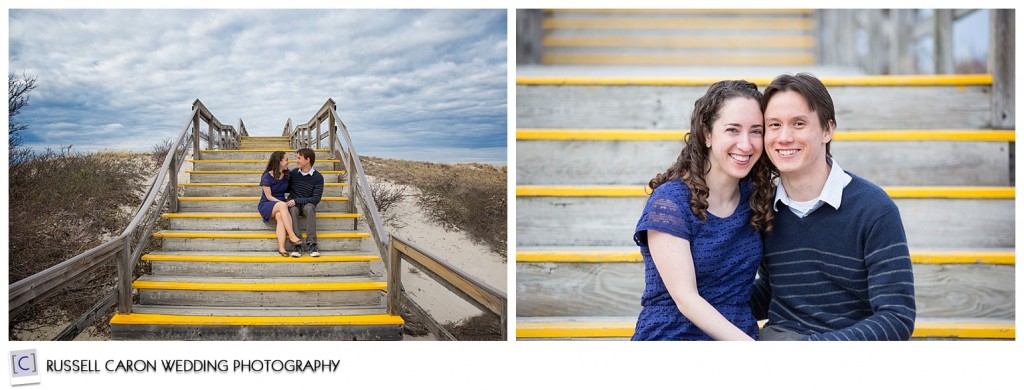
[[311, 171], [832, 193]]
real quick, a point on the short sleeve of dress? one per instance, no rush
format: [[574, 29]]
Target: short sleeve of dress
[[667, 211], [266, 180]]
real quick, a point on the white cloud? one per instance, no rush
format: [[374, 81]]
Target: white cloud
[[408, 83]]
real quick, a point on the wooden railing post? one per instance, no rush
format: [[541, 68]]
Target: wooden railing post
[[124, 277], [209, 133], [196, 132], [173, 179], [943, 41], [1001, 61], [350, 175], [394, 271]]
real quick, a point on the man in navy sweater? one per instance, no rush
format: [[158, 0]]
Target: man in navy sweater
[[306, 186], [836, 265]]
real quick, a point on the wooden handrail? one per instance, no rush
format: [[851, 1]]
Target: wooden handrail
[[472, 290], [126, 248]]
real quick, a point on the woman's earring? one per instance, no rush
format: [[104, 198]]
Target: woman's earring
[[708, 145]]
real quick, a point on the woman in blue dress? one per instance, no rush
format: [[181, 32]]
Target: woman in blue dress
[[274, 184], [699, 233]]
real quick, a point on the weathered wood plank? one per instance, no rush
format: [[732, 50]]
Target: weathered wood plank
[[259, 298], [669, 107], [904, 163], [470, 288], [261, 333], [1001, 62], [604, 221], [614, 289]]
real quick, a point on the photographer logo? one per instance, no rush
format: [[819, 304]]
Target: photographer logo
[[23, 367]]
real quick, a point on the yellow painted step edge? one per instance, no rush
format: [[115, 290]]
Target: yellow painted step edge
[[625, 329], [245, 184], [633, 256], [166, 319], [199, 286], [898, 80], [250, 215], [260, 259], [251, 172], [264, 150], [947, 192], [251, 161], [247, 235], [247, 198], [849, 135], [686, 11]]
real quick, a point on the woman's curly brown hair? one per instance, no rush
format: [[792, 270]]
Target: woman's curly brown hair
[[274, 166], [692, 164]]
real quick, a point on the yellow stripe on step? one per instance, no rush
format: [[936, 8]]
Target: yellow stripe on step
[[895, 80], [250, 215], [245, 184], [248, 235], [275, 258], [641, 190], [229, 172], [847, 135], [167, 319], [687, 23], [633, 256], [732, 58], [261, 150], [688, 11], [247, 198], [248, 286], [737, 42], [625, 329], [550, 330], [250, 161], [962, 330]]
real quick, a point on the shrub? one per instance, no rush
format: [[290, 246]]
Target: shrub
[[62, 204]]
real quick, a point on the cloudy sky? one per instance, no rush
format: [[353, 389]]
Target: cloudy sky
[[411, 84]]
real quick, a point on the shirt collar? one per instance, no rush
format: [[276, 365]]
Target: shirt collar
[[311, 171], [832, 193]]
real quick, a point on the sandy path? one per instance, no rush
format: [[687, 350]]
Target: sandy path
[[455, 247]]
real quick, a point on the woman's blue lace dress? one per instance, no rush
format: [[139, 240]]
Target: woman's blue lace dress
[[726, 253]]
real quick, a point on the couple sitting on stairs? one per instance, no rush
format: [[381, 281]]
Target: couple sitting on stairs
[[304, 186]]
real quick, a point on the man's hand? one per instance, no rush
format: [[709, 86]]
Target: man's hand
[[291, 203]]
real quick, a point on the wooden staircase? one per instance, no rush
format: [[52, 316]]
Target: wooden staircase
[[587, 145], [708, 37], [218, 275]]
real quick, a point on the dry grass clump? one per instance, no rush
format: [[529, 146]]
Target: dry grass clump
[[484, 327], [471, 196], [62, 204]]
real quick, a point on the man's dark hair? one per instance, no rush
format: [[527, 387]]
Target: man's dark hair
[[812, 89], [308, 154]]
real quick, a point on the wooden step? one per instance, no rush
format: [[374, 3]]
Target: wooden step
[[253, 221], [612, 328], [247, 176], [607, 215], [252, 265], [199, 323], [258, 292], [870, 102], [249, 203], [253, 154], [260, 241], [243, 189], [567, 281], [249, 164], [885, 157]]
